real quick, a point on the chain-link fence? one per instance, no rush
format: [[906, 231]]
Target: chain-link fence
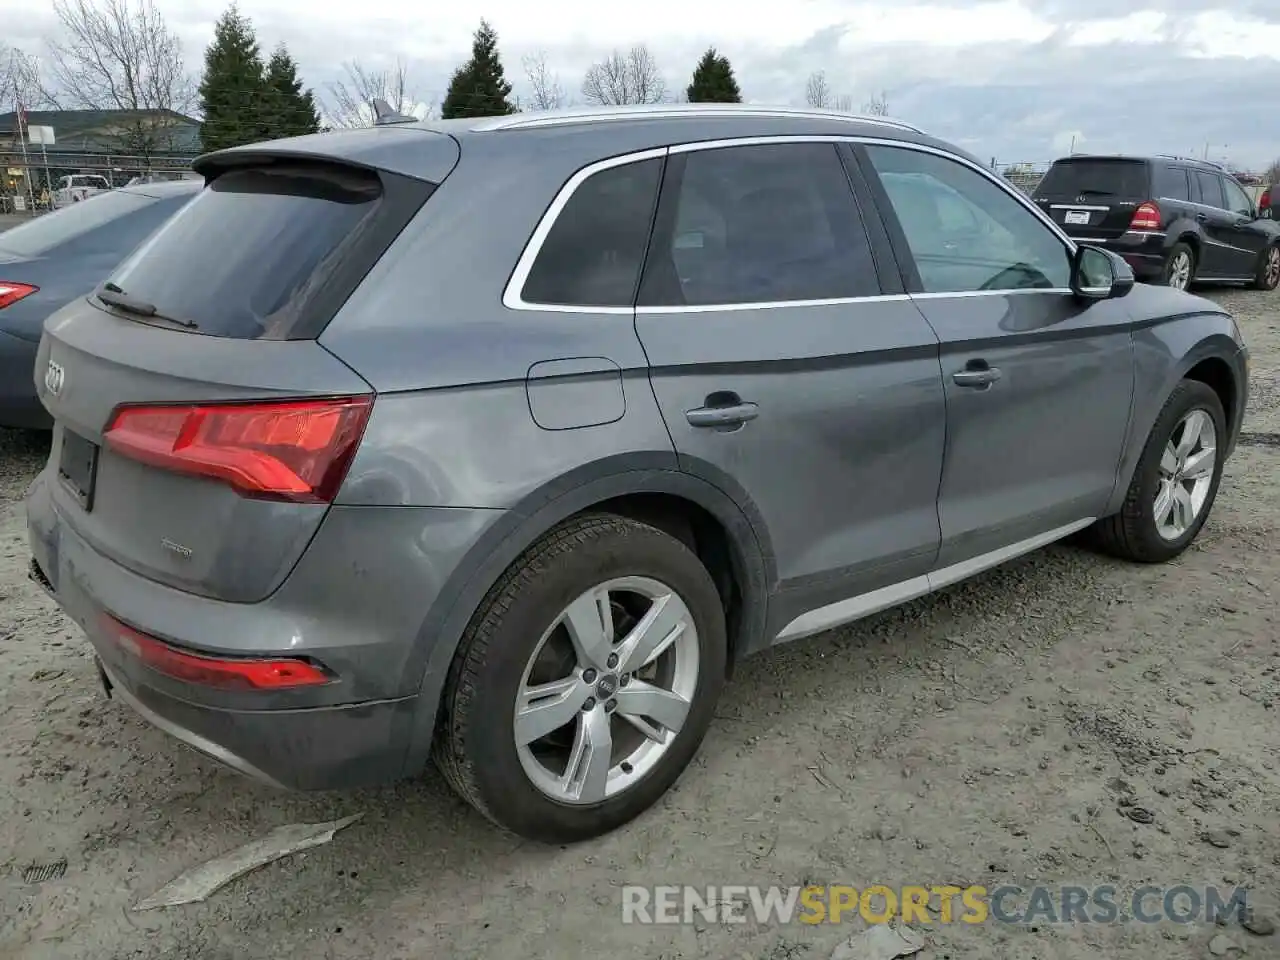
[[33, 181]]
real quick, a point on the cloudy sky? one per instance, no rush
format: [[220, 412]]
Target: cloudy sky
[[1012, 79]]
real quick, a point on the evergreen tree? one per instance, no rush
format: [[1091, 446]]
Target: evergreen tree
[[479, 87], [292, 109], [713, 80], [233, 92]]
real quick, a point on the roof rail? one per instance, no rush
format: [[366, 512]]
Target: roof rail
[[672, 111], [1174, 156]]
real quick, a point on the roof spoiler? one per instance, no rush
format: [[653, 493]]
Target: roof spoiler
[[384, 114]]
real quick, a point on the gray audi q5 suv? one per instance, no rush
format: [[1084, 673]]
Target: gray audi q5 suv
[[502, 441]]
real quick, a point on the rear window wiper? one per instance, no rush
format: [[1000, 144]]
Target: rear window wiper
[[1098, 193], [111, 294]]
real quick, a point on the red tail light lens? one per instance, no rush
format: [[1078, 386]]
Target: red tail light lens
[[1146, 217], [13, 292], [1265, 200], [224, 674], [294, 450]]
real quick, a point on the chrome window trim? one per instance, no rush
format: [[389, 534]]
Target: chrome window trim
[[513, 293], [1076, 206]]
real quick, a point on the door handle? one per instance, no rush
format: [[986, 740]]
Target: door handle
[[981, 377], [726, 415], [1202, 217]]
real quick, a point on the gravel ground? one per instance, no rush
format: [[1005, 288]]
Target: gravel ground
[[995, 733]]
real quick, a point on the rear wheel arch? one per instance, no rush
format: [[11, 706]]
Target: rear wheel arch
[[686, 507]]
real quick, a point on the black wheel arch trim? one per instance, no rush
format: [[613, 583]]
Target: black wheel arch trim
[[578, 491]]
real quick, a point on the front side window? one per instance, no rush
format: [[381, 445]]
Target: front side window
[[593, 254], [997, 244], [1237, 200], [768, 223]]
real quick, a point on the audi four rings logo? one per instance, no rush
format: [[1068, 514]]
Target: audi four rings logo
[[54, 378]]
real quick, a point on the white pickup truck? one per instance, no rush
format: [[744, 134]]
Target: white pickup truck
[[77, 187]]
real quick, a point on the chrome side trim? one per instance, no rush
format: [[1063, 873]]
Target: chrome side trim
[[940, 294], [1219, 243], [660, 111], [1076, 206], [512, 294], [855, 608], [208, 747]]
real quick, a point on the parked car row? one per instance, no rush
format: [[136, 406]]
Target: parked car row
[[502, 441]]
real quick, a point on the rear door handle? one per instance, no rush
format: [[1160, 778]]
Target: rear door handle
[[1202, 217], [730, 415], [976, 378]]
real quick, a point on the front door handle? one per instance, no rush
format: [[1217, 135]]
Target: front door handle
[[976, 378], [1202, 217], [728, 415]]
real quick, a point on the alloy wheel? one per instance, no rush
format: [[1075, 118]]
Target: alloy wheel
[[1180, 270], [1186, 474], [1273, 267], [607, 690]]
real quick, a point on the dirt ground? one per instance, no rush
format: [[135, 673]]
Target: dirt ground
[[995, 733]]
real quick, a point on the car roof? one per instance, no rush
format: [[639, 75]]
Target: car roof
[[578, 135], [1207, 165], [168, 188]]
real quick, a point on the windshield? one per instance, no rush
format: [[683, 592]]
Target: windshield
[[1100, 178], [42, 235]]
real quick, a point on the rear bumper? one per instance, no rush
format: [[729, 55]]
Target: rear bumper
[[1144, 251], [19, 406], [353, 732]]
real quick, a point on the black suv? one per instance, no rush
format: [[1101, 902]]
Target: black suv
[[1173, 219]]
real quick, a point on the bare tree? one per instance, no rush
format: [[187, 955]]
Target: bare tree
[[548, 94], [623, 78], [350, 99], [120, 55], [21, 81], [877, 106], [1272, 176], [817, 92], [843, 103]]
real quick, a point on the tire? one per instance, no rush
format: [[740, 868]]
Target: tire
[[511, 636], [1135, 533], [1268, 275], [1173, 267]]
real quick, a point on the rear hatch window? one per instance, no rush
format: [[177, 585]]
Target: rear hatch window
[[1093, 198], [1126, 179], [262, 253]]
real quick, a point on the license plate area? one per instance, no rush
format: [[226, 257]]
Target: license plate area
[[1077, 217], [78, 467]]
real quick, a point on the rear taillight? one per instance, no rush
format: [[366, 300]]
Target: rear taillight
[[1265, 200], [240, 673], [294, 450], [13, 292], [1146, 217]]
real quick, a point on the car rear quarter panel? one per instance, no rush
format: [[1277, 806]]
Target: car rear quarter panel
[[1173, 332]]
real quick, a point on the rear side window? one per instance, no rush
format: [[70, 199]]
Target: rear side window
[[593, 254], [1209, 189], [1095, 178], [758, 224], [1171, 183], [73, 223], [254, 251]]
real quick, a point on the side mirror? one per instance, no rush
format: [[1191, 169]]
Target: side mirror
[[1098, 274]]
